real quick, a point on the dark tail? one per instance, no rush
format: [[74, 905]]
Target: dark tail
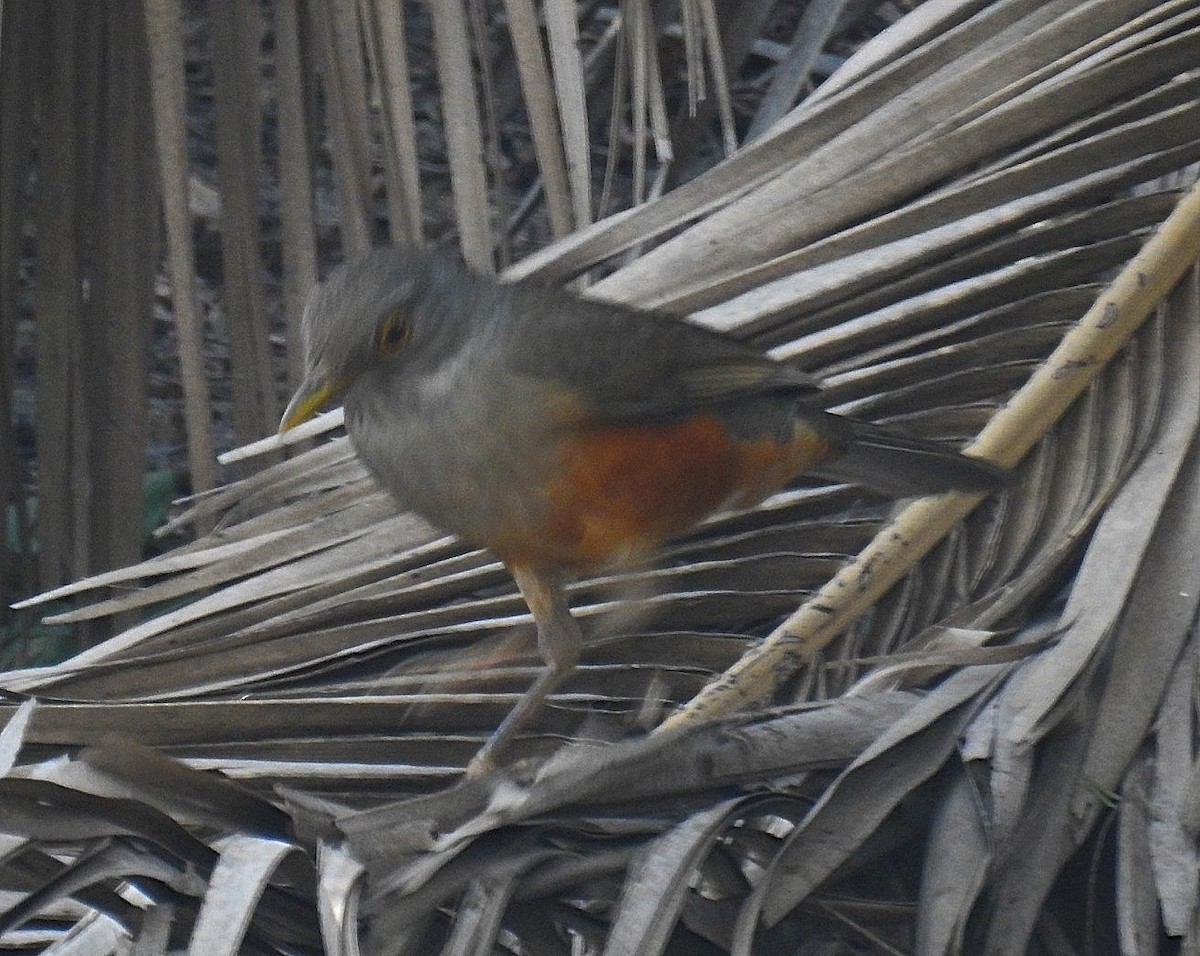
[[902, 466]]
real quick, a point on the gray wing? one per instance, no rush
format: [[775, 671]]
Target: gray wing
[[632, 365]]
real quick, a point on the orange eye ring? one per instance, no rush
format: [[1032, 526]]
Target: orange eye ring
[[394, 333]]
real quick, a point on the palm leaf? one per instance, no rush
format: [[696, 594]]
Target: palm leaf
[[923, 234]]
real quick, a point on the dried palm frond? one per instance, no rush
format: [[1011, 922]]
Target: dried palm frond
[[942, 778]]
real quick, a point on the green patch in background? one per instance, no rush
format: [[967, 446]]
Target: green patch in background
[[24, 640]]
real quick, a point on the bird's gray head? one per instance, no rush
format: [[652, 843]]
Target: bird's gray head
[[368, 314]]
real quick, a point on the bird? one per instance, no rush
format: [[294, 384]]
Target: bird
[[569, 435]]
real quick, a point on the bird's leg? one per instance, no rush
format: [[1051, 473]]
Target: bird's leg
[[559, 642]]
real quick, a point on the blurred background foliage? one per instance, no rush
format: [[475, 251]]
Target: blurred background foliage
[[177, 174]]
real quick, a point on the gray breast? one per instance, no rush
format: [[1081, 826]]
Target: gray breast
[[468, 462]]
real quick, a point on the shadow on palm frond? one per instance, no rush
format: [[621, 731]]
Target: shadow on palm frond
[[1018, 707]]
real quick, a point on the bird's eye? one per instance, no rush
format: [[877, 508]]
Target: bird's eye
[[394, 333]]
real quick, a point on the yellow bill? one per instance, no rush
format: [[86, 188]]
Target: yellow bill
[[310, 398]]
